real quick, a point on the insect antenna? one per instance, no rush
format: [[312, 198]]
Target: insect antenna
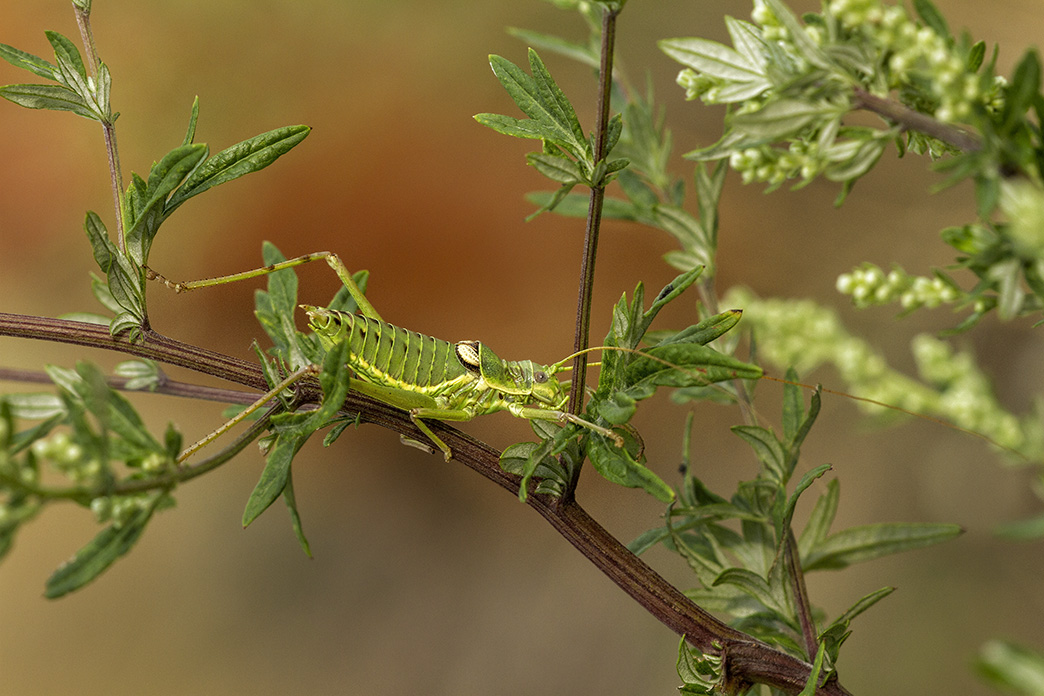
[[694, 371]]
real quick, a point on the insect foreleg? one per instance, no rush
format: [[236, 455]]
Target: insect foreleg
[[532, 413]]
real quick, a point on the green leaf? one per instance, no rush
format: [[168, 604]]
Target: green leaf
[[295, 516], [702, 333], [780, 119], [931, 16], [275, 476], [555, 167], [864, 543], [783, 522], [808, 48], [575, 51], [100, 553], [27, 61], [190, 134], [1010, 666], [52, 97], [813, 676], [712, 58], [165, 176], [754, 585], [251, 155], [551, 116], [819, 521], [68, 56], [766, 447], [746, 38], [618, 466]]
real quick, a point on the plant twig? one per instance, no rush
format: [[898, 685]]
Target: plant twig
[[594, 215], [747, 660], [915, 120], [83, 21]]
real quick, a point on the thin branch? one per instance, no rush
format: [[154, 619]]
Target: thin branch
[[803, 607], [594, 215], [914, 120], [83, 21], [747, 659]]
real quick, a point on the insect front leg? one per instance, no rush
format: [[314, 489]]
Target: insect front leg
[[534, 413]]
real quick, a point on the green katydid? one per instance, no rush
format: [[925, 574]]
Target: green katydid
[[427, 377]]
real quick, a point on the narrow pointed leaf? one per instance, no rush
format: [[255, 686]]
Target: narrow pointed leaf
[[864, 543], [711, 58], [27, 61], [100, 553], [52, 97], [238, 160]]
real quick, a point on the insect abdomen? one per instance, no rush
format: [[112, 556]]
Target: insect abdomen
[[387, 354]]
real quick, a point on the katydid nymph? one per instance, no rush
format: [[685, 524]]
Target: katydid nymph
[[427, 377]]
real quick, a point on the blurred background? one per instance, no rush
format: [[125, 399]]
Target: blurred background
[[426, 579]]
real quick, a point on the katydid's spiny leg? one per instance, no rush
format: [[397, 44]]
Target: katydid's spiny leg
[[332, 259], [292, 379]]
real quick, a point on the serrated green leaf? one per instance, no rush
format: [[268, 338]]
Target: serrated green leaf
[[864, 543], [27, 61], [52, 97], [251, 155], [712, 58], [100, 553], [618, 466], [551, 116]]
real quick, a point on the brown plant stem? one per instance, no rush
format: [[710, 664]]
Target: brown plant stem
[[594, 214], [746, 660], [909, 119]]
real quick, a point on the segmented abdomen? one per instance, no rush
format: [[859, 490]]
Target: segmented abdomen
[[386, 354]]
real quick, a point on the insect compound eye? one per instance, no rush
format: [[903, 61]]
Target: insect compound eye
[[539, 376], [468, 354]]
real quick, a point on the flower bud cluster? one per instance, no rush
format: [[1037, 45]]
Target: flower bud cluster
[[120, 509], [918, 55], [774, 166], [69, 458], [805, 335], [870, 286]]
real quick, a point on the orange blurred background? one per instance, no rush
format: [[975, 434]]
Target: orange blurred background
[[426, 579]]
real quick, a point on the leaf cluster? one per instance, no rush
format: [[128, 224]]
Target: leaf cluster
[[94, 438], [754, 572]]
